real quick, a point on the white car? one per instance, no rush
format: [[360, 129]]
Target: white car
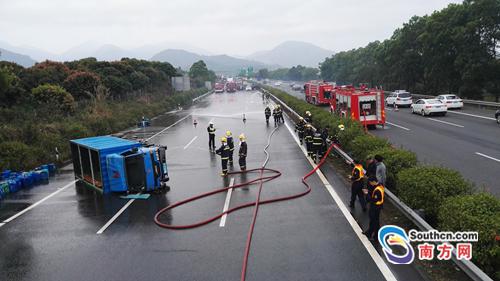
[[399, 98], [428, 107], [277, 84], [248, 88], [451, 101]]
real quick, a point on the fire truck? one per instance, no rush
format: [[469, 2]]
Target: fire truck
[[219, 87], [231, 87], [318, 92], [363, 104]]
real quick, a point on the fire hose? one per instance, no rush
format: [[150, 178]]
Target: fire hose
[[261, 180]]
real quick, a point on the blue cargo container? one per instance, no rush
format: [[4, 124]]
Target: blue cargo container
[[89, 158]]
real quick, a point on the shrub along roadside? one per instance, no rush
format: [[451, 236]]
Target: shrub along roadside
[[477, 212], [421, 187], [41, 137]]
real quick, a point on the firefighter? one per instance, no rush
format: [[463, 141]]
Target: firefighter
[[357, 176], [211, 136], [275, 115], [375, 197], [325, 137], [223, 151], [317, 143], [308, 117], [308, 138], [280, 115], [267, 112], [230, 144], [299, 128], [242, 153]]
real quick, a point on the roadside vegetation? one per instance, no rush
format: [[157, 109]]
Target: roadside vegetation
[[448, 201], [455, 50], [44, 106], [295, 73]]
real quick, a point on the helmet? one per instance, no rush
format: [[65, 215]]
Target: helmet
[[223, 139], [341, 127], [242, 136], [301, 118], [228, 133], [308, 112]]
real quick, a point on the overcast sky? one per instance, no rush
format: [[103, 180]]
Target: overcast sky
[[220, 26]]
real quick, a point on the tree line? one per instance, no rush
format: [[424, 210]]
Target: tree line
[[44, 106], [454, 50], [295, 73]]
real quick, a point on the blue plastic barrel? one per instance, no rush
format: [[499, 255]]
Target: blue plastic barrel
[[42, 175], [13, 187], [52, 169], [6, 174], [4, 186], [27, 179]]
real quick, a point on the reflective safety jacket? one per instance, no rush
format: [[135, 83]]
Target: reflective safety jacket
[[243, 149], [230, 143], [317, 139], [267, 111], [309, 136], [223, 151], [300, 126], [357, 173], [211, 130], [378, 195]]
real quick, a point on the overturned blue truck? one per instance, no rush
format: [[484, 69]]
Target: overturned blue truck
[[111, 164]]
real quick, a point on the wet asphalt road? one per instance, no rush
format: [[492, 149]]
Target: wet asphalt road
[[303, 239]]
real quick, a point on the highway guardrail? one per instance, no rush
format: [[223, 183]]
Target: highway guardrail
[[469, 268], [202, 96]]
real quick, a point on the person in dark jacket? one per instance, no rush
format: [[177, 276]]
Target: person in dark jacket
[[376, 195], [242, 153], [317, 145], [371, 167], [276, 117], [299, 128], [267, 113], [211, 136], [308, 138], [230, 144], [223, 151], [308, 117], [324, 136], [357, 178]]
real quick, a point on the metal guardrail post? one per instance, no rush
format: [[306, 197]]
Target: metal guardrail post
[[474, 272]]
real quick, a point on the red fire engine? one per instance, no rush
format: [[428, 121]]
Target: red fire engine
[[363, 104], [318, 92], [219, 87], [231, 87]]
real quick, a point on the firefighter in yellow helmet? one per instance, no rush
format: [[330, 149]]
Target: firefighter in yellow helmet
[[223, 151], [308, 117], [230, 144], [357, 179], [242, 153]]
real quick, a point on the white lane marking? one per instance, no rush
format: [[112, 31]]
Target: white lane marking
[[100, 231], [487, 156], [2, 224], [444, 122], [472, 115], [178, 121], [382, 266], [187, 145], [37, 203], [226, 204], [399, 126]]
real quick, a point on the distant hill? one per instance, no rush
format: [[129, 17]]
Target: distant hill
[[223, 64], [292, 53], [6, 55]]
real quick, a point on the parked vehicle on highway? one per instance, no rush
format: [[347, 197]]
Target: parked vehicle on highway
[[399, 98], [318, 92], [277, 84], [248, 88], [497, 116], [297, 87], [451, 101], [429, 106]]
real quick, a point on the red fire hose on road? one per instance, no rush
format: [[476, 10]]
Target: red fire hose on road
[[261, 179]]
